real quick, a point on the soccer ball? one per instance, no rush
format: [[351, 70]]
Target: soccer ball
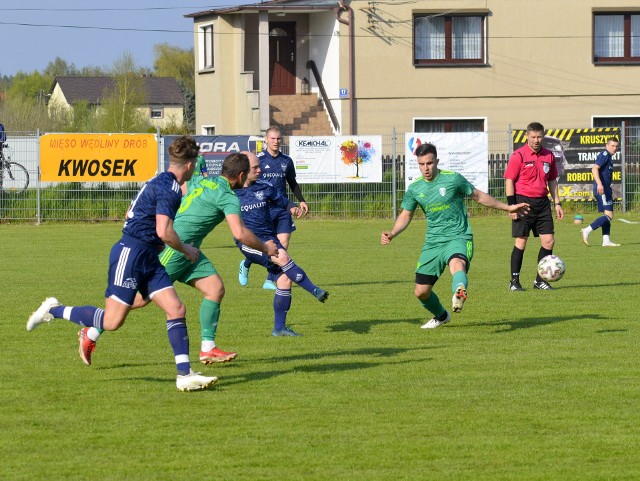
[[551, 268]]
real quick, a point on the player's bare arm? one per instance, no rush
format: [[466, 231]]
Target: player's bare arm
[[489, 201], [248, 238], [509, 190], [164, 229], [595, 170], [555, 195], [296, 210], [402, 222]]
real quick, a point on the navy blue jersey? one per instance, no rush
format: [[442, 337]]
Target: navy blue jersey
[[160, 195], [255, 203], [605, 164], [278, 171]]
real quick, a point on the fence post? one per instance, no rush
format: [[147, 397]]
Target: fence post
[[623, 166], [38, 204], [393, 174]]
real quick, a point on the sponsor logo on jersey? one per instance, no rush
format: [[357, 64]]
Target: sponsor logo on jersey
[[443, 191]]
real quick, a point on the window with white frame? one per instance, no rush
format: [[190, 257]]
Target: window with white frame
[[440, 39], [448, 125], [208, 130], [206, 46], [157, 113], [616, 38]]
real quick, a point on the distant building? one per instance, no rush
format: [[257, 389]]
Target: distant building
[[418, 66], [164, 101]]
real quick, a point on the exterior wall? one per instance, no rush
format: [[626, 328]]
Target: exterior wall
[[324, 50], [171, 115], [539, 68]]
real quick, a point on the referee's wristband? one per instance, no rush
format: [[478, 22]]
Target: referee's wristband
[[511, 200], [558, 203]]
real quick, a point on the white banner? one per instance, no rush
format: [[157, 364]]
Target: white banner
[[346, 159], [464, 152]]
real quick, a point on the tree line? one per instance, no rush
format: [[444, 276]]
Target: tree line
[[24, 98]]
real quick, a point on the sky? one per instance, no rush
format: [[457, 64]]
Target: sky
[[93, 33]]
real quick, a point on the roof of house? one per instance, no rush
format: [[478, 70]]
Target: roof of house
[[159, 90], [297, 5]]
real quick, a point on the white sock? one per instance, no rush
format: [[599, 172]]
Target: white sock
[[606, 240], [206, 346], [93, 334], [587, 230]]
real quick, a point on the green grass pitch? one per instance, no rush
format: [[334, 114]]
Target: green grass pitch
[[530, 385]]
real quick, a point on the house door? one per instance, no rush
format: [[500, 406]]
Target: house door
[[282, 58]]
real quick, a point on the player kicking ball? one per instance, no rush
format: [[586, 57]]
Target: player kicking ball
[[256, 198], [449, 239]]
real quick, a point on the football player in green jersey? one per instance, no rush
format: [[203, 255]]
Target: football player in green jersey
[[449, 240]]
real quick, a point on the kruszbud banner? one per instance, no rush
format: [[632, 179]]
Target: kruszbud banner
[[575, 151], [462, 152], [98, 157], [214, 148], [339, 159]]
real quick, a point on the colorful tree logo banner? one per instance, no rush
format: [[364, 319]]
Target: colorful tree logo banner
[[341, 159], [464, 152], [575, 151]]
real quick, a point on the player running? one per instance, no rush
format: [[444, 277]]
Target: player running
[[449, 240]]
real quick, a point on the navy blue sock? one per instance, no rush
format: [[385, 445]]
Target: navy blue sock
[[297, 275], [601, 222], [281, 305], [88, 316], [247, 263], [179, 340]]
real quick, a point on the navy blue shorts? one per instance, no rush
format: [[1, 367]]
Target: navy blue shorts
[[605, 201], [135, 267], [282, 221]]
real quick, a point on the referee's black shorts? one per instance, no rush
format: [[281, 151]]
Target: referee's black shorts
[[538, 220]]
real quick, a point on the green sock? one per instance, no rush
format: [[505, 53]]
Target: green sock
[[433, 305], [209, 316], [459, 277]]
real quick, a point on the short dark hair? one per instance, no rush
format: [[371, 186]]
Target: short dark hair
[[234, 164], [426, 149], [535, 127], [613, 139], [183, 149]]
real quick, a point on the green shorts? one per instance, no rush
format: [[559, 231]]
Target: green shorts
[[434, 258], [181, 269]]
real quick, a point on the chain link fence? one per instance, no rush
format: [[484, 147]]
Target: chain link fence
[[92, 202]]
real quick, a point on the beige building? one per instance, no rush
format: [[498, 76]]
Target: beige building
[[164, 99], [426, 65]]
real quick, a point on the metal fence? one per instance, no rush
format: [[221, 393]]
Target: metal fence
[[73, 202]]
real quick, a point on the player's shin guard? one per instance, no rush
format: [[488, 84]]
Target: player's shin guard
[[209, 317], [516, 261], [179, 340], [297, 275], [281, 305], [459, 277], [433, 305], [88, 316], [541, 254]]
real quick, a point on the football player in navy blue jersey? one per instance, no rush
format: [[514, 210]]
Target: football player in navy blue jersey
[[257, 198], [134, 267], [602, 176], [277, 169]]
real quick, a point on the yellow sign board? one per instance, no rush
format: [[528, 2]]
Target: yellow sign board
[[98, 157]]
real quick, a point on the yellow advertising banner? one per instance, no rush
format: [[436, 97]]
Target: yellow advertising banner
[[98, 157]]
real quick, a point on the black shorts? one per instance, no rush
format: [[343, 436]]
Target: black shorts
[[539, 220]]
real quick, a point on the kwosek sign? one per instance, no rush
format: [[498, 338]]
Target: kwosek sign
[[98, 157], [575, 151]]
